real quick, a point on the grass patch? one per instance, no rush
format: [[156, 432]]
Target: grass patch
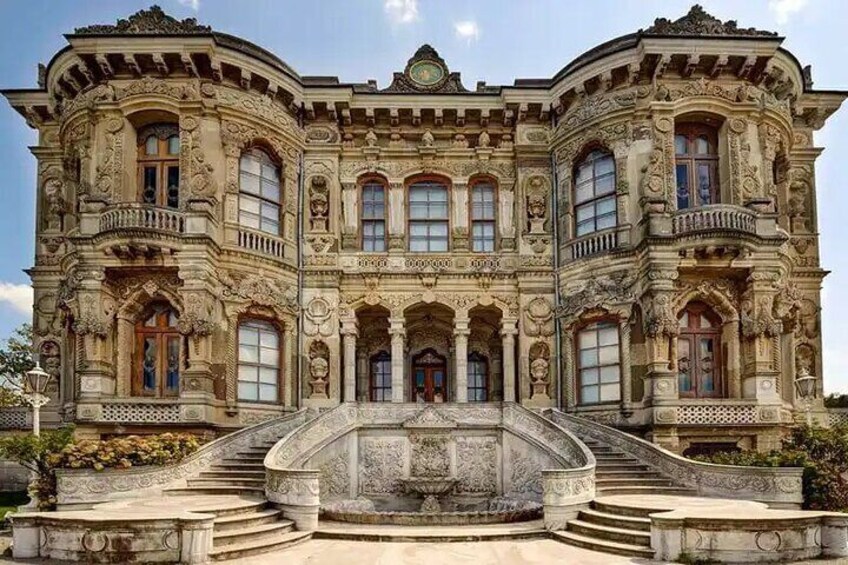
[[9, 502]]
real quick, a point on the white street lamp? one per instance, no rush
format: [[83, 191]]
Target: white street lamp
[[34, 389], [805, 385]]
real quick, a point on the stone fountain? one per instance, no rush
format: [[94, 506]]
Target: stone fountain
[[430, 476]]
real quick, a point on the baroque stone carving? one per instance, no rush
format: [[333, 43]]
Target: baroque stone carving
[[258, 290], [426, 72], [540, 369], [537, 193], [146, 22], [334, 477], [698, 22], [539, 318], [319, 368], [381, 465], [476, 463], [604, 292], [429, 455], [319, 203]]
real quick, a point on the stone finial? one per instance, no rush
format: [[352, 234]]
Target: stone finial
[[153, 21], [699, 23]]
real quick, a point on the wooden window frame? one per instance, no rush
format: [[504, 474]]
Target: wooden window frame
[[692, 131], [162, 162], [475, 357], [409, 220], [162, 333], [272, 160], [693, 334], [379, 357], [613, 322], [587, 155], [373, 180], [242, 320], [476, 183]]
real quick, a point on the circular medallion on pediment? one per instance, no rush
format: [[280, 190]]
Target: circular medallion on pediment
[[426, 73]]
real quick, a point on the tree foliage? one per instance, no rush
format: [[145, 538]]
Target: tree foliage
[[15, 360], [821, 452], [836, 400]]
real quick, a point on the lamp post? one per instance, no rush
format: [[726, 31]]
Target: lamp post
[[805, 385], [35, 385]]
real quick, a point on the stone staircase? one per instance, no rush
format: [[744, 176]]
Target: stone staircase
[[618, 529], [242, 529]]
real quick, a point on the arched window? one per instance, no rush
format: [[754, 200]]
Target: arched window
[[696, 165], [428, 216], [156, 362], [594, 193], [381, 377], [698, 352], [598, 365], [258, 361], [478, 378], [159, 165], [373, 216], [259, 192], [483, 217]]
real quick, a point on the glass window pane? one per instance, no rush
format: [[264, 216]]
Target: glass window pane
[[269, 338], [271, 190], [680, 143], [608, 335], [247, 391], [249, 183], [589, 394], [704, 184], [249, 220], [682, 186], [608, 354], [438, 245], [604, 165], [174, 145], [148, 193], [588, 338], [249, 204], [583, 192], [605, 222], [270, 172], [268, 376], [267, 393], [248, 354], [417, 245], [610, 393], [702, 145], [589, 376], [589, 358], [684, 369], [684, 320], [610, 374], [605, 206], [148, 364], [151, 145], [584, 212], [270, 211], [605, 185], [269, 356], [584, 172], [250, 164], [173, 192]]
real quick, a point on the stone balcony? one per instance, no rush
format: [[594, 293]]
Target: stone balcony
[[597, 243], [715, 219]]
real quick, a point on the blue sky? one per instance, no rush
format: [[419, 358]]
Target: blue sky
[[491, 40]]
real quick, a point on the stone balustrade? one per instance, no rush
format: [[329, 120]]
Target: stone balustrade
[[714, 217], [85, 487], [262, 243], [592, 244], [428, 263], [778, 487], [142, 216]]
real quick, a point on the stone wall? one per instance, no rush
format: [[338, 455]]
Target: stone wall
[[13, 477]]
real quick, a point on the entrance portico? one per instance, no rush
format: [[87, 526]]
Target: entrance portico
[[429, 354]]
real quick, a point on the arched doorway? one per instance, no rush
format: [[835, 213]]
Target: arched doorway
[[429, 377]]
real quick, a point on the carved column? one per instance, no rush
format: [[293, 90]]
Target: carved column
[[459, 217], [508, 333], [626, 394], [350, 211], [397, 217], [759, 328], [363, 393], [349, 335], [398, 333], [288, 365], [460, 334], [568, 369]]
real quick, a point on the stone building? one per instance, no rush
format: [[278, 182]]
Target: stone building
[[220, 240]]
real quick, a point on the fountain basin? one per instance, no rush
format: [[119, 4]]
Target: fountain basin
[[429, 486], [493, 511]]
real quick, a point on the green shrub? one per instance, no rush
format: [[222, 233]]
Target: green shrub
[[55, 449], [821, 452], [836, 400]]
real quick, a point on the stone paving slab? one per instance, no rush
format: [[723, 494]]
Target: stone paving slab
[[663, 502]]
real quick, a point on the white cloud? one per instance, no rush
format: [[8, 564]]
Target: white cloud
[[784, 9], [19, 296], [401, 11], [193, 4], [468, 30]]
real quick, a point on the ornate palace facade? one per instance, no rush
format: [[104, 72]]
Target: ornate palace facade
[[221, 240]]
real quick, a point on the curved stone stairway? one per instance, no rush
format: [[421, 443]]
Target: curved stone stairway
[[613, 528], [245, 524]]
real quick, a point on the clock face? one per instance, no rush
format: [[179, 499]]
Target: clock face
[[426, 73]]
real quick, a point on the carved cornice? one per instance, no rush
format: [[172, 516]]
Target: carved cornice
[[153, 21], [699, 23]]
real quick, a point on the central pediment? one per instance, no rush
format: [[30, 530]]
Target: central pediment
[[426, 72]]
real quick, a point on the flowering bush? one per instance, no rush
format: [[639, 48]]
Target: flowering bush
[[56, 450], [823, 454]]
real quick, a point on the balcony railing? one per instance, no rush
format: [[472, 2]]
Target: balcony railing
[[259, 242], [142, 216], [714, 217], [592, 244]]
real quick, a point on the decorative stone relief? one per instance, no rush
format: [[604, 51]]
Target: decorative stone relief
[[259, 290], [604, 292], [319, 315], [319, 204], [107, 179], [476, 464], [525, 479], [55, 204], [381, 465], [539, 318], [429, 455], [334, 475], [537, 193], [540, 370], [196, 173]]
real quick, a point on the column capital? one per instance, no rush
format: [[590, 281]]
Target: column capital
[[350, 327]]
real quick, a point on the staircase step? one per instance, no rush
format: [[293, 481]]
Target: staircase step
[[604, 473], [238, 466], [603, 482], [646, 490], [256, 547], [235, 474], [603, 546], [610, 533], [245, 460], [617, 458], [251, 533], [238, 521], [231, 482], [615, 520], [615, 466], [215, 489]]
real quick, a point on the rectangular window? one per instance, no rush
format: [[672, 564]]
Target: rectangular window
[[258, 362], [682, 186], [428, 217], [381, 378], [598, 363], [483, 218], [373, 217], [478, 390]]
